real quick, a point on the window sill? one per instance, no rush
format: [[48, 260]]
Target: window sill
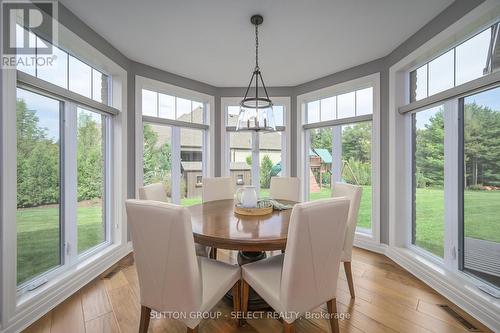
[[34, 304], [458, 287]]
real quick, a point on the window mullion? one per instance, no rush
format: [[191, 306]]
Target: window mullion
[[255, 161], [176, 165], [70, 183], [451, 186], [337, 164]]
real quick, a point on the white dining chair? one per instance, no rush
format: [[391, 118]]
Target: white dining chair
[[285, 188], [353, 193], [306, 275], [217, 188], [157, 192], [171, 277]]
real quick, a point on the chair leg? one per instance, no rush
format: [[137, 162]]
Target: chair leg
[[145, 316], [236, 291], [348, 274], [288, 328], [192, 330], [213, 253], [245, 289], [332, 310]]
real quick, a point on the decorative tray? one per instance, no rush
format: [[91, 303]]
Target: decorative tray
[[257, 211]]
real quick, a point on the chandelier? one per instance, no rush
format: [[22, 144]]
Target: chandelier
[[256, 112]]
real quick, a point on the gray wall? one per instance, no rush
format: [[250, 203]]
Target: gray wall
[[450, 15]]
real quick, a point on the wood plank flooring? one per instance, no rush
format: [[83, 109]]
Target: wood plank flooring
[[388, 299]]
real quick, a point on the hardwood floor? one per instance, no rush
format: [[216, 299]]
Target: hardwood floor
[[388, 299]]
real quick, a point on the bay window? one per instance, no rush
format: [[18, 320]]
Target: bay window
[[175, 134], [252, 158]]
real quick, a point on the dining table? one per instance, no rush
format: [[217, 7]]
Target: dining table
[[216, 225]]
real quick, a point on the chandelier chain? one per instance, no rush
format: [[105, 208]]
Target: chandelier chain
[[256, 47]]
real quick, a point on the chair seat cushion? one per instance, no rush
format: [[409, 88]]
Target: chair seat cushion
[[217, 278], [264, 276]]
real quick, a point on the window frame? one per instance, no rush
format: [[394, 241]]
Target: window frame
[[363, 236], [175, 125], [226, 102], [68, 188]]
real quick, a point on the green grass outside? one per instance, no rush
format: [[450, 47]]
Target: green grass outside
[[481, 217], [38, 232]]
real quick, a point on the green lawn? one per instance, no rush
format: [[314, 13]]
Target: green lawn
[[38, 232], [38, 237], [481, 217]]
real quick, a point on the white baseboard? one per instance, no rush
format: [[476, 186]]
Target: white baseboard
[[456, 287], [69, 284]]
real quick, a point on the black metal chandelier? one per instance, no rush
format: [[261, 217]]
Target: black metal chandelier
[[256, 112]]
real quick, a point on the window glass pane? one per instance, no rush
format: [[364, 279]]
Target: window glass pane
[[22, 64], [482, 185], [157, 155], [149, 103], [471, 57], [58, 72], [320, 163], [441, 73], [166, 104], [183, 109], [279, 113], [357, 166], [99, 86], [191, 165], [240, 157], [313, 115], [418, 83], [270, 158], [428, 134], [364, 101], [346, 105], [329, 108], [80, 77], [232, 115], [90, 214], [38, 178], [198, 112]]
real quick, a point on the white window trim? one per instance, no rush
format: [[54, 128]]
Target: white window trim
[[362, 238], [285, 139], [442, 275], [18, 313], [208, 139]]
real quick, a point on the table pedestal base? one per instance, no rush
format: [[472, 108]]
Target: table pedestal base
[[255, 302]]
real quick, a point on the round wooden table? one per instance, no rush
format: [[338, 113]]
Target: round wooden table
[[215, 224]]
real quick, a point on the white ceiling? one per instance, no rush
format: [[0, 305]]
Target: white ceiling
[[213, 41]]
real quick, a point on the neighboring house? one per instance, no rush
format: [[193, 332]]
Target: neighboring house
[[192, 175]]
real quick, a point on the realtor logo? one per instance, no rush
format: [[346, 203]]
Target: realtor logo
[[27, 25]]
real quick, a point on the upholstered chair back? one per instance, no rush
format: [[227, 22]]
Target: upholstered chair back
[[154, 192], [219, 188], [285, 188], [353, 193], [162, 237], [313, 250]]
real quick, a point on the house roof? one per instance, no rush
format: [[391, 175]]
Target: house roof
[[324, 154]]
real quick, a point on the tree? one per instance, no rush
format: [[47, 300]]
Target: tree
[[429, 154], [90, 154], [356, 142], [37, 160], [266, 167], [157, 158]]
